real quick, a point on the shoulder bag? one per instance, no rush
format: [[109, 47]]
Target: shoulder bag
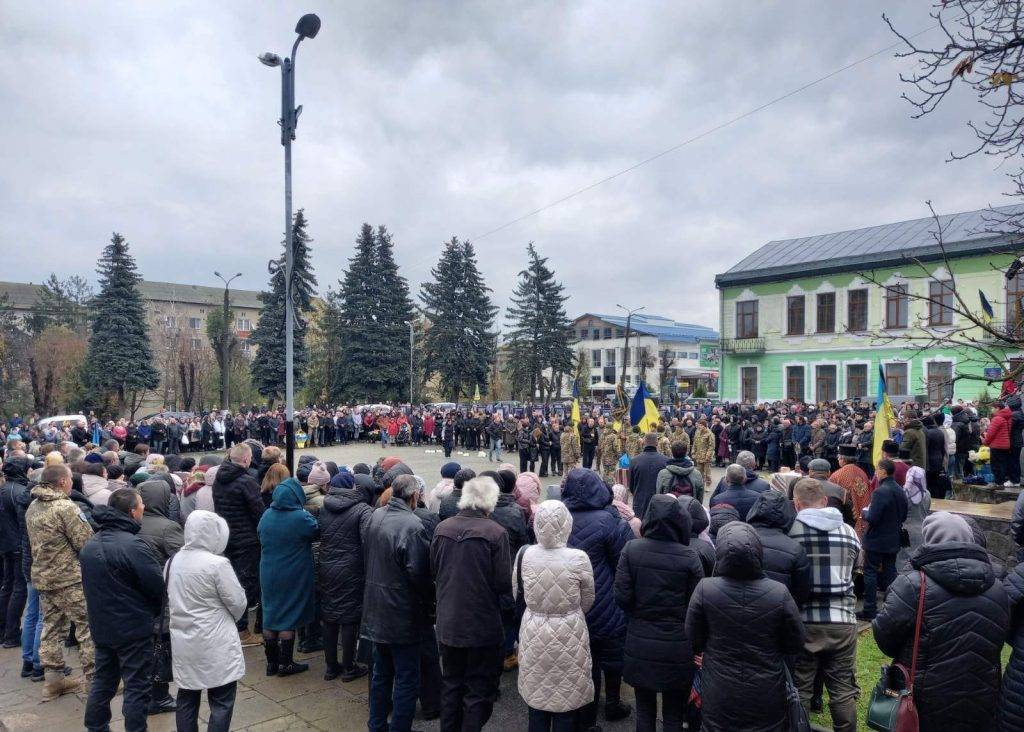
[[162, 672], [892, 707]]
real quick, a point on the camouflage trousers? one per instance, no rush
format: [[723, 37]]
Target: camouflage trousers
[[566, 467], [60, 608], [705, 471], [608, 471]]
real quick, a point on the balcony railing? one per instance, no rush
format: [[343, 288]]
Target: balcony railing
[[743, 345]]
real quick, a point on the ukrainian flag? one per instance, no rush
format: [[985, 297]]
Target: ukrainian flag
[[574, 415], [885, 418], [986, 307], [643, 413]]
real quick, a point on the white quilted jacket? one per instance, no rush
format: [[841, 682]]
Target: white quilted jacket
[[554, 647]]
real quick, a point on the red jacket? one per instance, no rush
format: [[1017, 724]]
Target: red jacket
[[997, 436]]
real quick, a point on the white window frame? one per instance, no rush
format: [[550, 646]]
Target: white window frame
[[814, 378], [857, 362], [739, 380], [785, 378]]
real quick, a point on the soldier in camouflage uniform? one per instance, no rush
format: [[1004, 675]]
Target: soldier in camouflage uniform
[[678, 434], [57, 531], [609, 450], [634, 441], [570, 443], [703, 449], [664, 441]]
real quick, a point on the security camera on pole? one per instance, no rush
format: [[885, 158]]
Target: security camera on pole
[[307, 27]]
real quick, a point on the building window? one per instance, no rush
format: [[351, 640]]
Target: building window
[[795, 315], [245, 345], [243, 324], [795, 383], [595, 358], [748, 384], [609, 357], [857, 310], [584, 334], [609, 374], [896, 378], [627, 379], [195, 343], [825, 383], [856, 380], [627, 359], [607, 333], [595, 379], [896, 306], [827, 312], [619, 333], [1014, 305], [194, 323], [694, 355], [940, 303], [940, 381], [746, 319]]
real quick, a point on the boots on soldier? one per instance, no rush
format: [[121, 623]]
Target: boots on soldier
[[55, 684]]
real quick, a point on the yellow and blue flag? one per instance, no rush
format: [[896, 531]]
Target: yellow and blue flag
[[574, 415], [643, 413], [885, 418], [986, 307]]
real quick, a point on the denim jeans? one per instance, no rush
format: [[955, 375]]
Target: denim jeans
[[31, 629], [879, 572], [495, 450], [394, 687]]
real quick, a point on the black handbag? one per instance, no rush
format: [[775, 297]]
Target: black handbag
[[798, 719]]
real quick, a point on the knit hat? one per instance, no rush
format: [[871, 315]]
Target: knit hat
[[360, 469], [389, 462], [448, 470], [139, 477], [94, 457], [722, 514], [343, 479], [319, 475], [890, 447], [943, 526]]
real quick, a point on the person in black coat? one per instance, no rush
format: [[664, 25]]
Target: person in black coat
[[396, 603], [643, 474], [745, 625], [13, 590], [785, 559], [884, 516], [510, 516], [653, 583], [966, 619], [935, 467], [470, 560], [236, 499], [1011, 700], [736, 494], [450, 503], [341, 578], [699, 523], [124, 589]]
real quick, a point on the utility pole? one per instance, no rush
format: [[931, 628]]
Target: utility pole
[[411, 345], [225, 344], [625, 350], [307, 27]]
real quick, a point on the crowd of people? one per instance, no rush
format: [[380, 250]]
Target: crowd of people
[[718, 601]]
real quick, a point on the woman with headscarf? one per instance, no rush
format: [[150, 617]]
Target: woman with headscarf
[[653, 583], [554, 646], [287, 532], [204, 600], [965, 621], [620, 500], [745, 625], [527, 493], [919, 505]]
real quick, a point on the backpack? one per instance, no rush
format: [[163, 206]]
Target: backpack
[[681, 486]]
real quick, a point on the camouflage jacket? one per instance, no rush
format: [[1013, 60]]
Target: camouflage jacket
[[634, 443], [609, 448], [679, 435], [570, 444], [703, 446], [57, 531], [665, 445]]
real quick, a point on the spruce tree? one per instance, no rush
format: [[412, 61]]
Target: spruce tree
[[459, 345], [119, 360], [538, 337], [369, 328], [268, 366]]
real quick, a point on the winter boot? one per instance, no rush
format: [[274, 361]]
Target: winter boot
[[273, 653], [615, 710], [56, 684], [26, 669], [357, 671], [288, 665]]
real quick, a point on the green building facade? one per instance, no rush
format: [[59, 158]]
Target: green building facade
[[813, 319]]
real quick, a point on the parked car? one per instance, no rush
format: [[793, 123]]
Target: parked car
[[62, 419]]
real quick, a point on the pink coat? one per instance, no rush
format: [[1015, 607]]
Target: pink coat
[[527, 493]]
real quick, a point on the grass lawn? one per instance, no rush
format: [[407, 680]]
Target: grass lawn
[[869, 662]]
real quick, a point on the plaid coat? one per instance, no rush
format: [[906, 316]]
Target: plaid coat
[[832, 548]]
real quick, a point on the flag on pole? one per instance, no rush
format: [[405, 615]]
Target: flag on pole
[[574, 415], [986, 306], [885, 418], [643, 413]]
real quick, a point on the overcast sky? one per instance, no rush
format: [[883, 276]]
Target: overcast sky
[[441, 118]]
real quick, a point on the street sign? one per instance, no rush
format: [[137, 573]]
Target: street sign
[[993, 372]]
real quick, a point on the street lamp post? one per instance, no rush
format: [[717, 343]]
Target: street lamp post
[[307, 27], [225, 343], [625, 350], [411, 345]]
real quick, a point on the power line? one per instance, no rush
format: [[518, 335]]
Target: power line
[[699, 136]]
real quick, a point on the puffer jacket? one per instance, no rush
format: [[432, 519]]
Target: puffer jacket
[[558, 586], [598, 530], [163, 536], [997, 436], [236, 497], [341, 576], [1011, 701], [966, 617], [785, 559], [700, 541], [15, 485], [653, 583], [744, 624], [914, 442]]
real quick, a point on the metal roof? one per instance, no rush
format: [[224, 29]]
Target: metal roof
[[23, 295], [963, 233], [660, 327]]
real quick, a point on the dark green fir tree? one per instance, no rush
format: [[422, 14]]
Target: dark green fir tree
[[459, 344], [268, 366], [119, 361]]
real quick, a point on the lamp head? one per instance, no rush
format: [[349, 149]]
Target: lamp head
[[216, 273], [269, 59], [308, 25]]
